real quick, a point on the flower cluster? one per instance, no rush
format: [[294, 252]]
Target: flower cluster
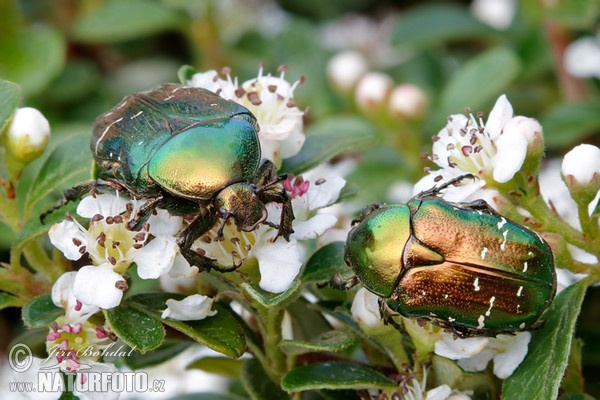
[[113, 247]]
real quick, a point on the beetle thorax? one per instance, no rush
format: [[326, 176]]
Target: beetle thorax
[[240, 202]]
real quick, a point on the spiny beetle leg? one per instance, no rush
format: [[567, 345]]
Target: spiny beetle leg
[[74, 193], [387, 315], [340, 282]]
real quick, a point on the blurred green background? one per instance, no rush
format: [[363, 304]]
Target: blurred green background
[[75, 59]]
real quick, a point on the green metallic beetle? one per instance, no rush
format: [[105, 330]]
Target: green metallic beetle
[[193, 153], [461, 266]]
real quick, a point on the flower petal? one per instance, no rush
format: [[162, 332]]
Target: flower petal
[[156, 258], [313, 227], [96, 286], [510, 155], [365, 308], [456, 349], [63, 296], [505, 363], [106, 204], [194, 307], [62, 237], [499, 116], [279, 263]]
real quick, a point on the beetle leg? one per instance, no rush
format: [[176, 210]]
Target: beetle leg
[[74, 193], [277, 194], [436, 189], [198, 227], [144, 213], [387, 315], [265, 173], [340, 282]]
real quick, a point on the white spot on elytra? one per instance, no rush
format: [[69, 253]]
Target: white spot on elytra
[[476, 284], [445, 296], [525, 266], [479, 212], [481, 322], [504, 235], [501, 223], [423, 293], [136, 115], [530, 254], [522, 325], [450, 319], [483, 253], [520, 291], [518, 309], [489, 310]]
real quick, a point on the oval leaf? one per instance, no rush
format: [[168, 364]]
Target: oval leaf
[[221, 332], [325, 263], [138, 330], [491, 71], [41, 311], [335, 375], [119, 20], [328, 138], [67, 165], [433, 24], [548, 352], [10, 95], [569, 123]]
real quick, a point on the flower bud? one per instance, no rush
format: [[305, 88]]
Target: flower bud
[[27, 135], [365, 309], [581, 172], [407, 101], [345, 69], [372, 91]]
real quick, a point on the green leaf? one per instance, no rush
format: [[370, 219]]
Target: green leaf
[[570, 123], [166, 351], [447, 372], [332, 341], [490, 71], [258, 384], [438, 23], [6, 300], [117, 20], [222, 332], [10, 96], [41, 311], [548, 352], [328, 138], [67, 165], [137, 329], [575, 14], [185, 73], [219, 365], [324, 263], [32, 57], [267, 300], [335, 375]]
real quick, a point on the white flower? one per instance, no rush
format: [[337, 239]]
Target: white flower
[[194, 307], [113, 247], [473, 354], [582, 58], [28, 134], [73, 342], [496, 13], [493, 151], [345, 69], [270, 99], [365, 308], [279, 261]]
